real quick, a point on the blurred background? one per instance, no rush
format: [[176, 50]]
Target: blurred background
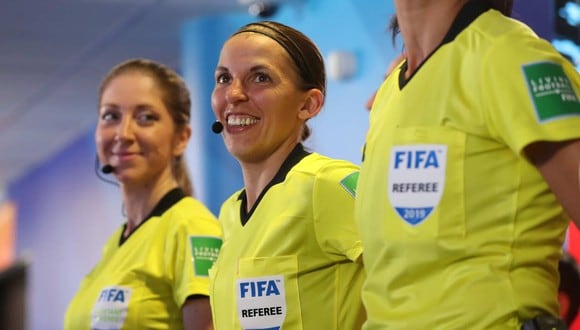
[[55, 213]]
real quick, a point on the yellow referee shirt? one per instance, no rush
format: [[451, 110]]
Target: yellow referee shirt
[[295, 263], [460, 230], [143, 282]]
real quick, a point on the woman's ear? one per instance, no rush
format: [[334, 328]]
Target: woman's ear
[[312, 104], [181, 141]]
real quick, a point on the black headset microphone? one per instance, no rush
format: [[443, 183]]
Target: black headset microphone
[[217, 127], [107, 169]]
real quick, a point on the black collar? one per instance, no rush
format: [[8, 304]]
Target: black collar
[[171, 198], [293, 158], [468, 13]]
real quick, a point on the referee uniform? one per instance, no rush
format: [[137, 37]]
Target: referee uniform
[[460, 230], [293, 261], [143, 281]]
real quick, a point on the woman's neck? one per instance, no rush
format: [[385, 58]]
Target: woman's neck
[[257, 175], [140, 199], [423, 25]]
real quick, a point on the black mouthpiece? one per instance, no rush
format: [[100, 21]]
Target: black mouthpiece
[[107, 169], [217, 127]]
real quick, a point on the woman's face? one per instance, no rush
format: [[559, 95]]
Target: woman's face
[[135, 132], [256, 97]]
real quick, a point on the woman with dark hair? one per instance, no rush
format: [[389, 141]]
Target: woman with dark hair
[[291, 256], [153, 273], [470, 172]]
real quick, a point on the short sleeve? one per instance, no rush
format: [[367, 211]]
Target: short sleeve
[[194, 246], [530, 93], [333, 209]]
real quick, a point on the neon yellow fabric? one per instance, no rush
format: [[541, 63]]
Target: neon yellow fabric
[[460, 231], [296, 262], [143, 283]]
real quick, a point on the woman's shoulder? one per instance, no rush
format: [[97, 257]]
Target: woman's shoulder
[[190, 212], [329, 173], [509, 36], [324, 166]]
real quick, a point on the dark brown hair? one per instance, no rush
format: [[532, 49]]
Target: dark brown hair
[[175, 98], [305, 55]]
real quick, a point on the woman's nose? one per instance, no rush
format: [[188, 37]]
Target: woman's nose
[[235, 92], [124, 129]]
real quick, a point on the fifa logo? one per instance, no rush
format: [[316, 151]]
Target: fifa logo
[[113, 295], [259, 288], [416, 159]]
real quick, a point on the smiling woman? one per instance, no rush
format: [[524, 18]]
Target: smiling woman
[[291, 249], [154, 268]]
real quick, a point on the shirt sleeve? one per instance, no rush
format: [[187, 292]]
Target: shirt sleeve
[[530, 93], [333, 209], [195, 243]]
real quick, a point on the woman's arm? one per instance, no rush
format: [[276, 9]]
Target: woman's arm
[[197, 313], [559, 164]]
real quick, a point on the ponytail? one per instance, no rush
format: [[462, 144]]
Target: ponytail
[[181, 174]]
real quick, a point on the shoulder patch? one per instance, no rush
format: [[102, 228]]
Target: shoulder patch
[[349, 183], [204, 250], [551, 91]]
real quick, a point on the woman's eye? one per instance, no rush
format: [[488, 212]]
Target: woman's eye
[[262, 77], [109, 116], [222, 79], [146, 118]]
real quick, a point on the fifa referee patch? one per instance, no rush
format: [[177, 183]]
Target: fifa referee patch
[[551, 91], [349, 183], [204, 250]]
